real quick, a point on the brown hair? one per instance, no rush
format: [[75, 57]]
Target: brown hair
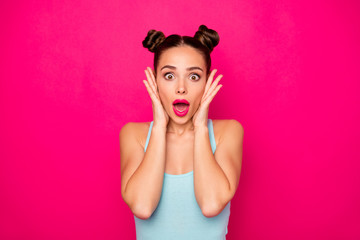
[[203, 41]]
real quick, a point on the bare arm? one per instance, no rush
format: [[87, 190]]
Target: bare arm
[[142, 175], [210, 182], [215, 183]]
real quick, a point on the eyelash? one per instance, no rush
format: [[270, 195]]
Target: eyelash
[[193, 74]]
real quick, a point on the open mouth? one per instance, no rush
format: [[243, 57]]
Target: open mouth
[[181, 108]]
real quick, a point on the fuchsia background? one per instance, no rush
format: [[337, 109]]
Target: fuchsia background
[[71, 76]]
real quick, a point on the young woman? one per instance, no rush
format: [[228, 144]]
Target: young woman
[[175, 183]]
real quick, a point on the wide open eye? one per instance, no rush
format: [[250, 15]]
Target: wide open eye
[[196, 75], [168, 74]]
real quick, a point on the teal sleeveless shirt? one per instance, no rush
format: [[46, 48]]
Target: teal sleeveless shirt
[[178, 215]]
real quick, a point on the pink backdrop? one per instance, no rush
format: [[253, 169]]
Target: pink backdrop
[[71, 76]]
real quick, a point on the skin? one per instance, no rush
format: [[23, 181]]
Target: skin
[[180, 144]]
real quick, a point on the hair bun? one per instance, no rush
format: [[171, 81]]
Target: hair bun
[[208, 37], [153, 40]]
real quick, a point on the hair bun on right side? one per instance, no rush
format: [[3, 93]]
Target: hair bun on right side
[[153, 40], [208, 37]]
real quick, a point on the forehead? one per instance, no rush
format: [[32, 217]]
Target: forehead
[[182, 57]]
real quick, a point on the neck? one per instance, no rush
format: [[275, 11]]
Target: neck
[[180, 128]]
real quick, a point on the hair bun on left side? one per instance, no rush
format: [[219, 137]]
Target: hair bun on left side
[[153, 40]]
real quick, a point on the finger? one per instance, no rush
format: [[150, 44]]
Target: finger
[[150, 81], [212, 95], [151, 74], [214, 85], [150, 91], [208, 83]]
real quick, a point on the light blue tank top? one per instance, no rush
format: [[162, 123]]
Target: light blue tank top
[[178, 215]]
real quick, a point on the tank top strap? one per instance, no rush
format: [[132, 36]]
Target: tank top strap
[[211, 135], [148, 136]]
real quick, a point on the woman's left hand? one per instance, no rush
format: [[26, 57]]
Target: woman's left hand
[[200, 117]]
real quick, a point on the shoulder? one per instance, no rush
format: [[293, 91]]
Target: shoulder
[[135, 125], [227, 127], [221, 125], [227, 123], [138, 130]]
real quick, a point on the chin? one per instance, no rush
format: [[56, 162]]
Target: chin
[[182, 120]]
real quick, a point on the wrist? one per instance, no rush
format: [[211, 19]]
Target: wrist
[[159, 128], [201, 128]]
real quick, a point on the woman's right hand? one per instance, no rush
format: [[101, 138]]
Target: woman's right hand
[[161, 118]]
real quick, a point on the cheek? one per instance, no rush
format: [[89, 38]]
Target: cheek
[[162, 95], [201, 92], [199, 96]]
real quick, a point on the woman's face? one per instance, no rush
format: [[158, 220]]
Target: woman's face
[[181, 74]]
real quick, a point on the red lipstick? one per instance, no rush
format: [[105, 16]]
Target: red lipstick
[[181, 107]]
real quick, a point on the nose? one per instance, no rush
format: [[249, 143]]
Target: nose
[[181, 89]]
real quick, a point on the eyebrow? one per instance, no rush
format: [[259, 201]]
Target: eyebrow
[[189, 69]]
